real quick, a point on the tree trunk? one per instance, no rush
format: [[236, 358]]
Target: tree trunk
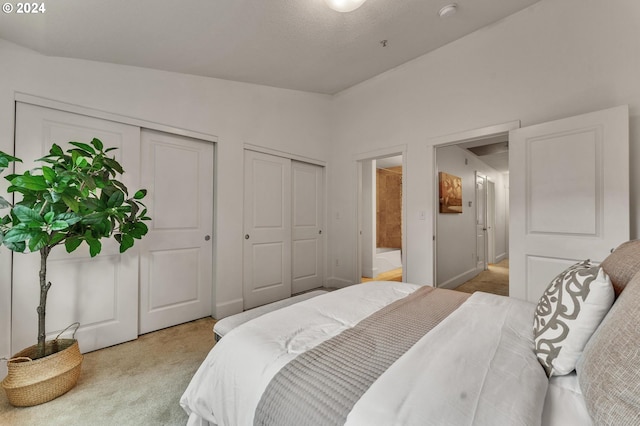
[[42, 308]]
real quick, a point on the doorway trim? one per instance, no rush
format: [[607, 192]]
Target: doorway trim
[[455, 139], [373, 155]]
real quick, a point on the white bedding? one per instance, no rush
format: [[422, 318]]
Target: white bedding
[[476, 367]]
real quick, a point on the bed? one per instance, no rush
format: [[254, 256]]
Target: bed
[[389, 353]]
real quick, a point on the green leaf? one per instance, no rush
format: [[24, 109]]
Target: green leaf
[[139, 230], [116, 199], [56, 150], [34, 183], [69, 218], [49, 174], [81, 161], [20, 234], [38, 241], [4, 203], [56, 237], [27, 215], [70, 202], [95, 246], [59, 225], [85, 147], [94, 218], [140, 194], [5, 159], [113, 164], [48, 217], [72, 243], [19, 246], [97, 143], [126, 243]]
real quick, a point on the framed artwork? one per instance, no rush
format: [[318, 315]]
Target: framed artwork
[[450, 193]]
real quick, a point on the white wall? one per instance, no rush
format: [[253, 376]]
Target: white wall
[[556, 59], [237, 113], [368, 236], [456, 232]]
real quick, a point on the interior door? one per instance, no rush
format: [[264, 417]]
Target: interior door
[[176, 256], [481, 222], [569, 195], [101, 293], [267, 225], [491, 222], [307, 222]]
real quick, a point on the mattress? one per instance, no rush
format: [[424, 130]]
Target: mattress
[[475, 367]]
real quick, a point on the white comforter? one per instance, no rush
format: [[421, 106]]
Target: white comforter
[[477, 367]]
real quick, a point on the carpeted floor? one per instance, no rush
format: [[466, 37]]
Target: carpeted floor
[[495, 280], [135, 383]]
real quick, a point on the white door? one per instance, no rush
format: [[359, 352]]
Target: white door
[[307, 217], [481, 222], [569, 196], [267, 227], [491, 222], [176, 256], [101, 293]]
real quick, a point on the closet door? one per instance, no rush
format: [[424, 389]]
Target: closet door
[[101, 293], [176, 256], [267, 229], [307, 218]]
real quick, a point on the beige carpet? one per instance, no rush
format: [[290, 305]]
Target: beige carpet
[[495, 280], [135, 383]]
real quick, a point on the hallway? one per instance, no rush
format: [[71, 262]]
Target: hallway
[[495, 280]]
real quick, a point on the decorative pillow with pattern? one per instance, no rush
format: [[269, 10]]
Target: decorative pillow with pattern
[[568, 313]]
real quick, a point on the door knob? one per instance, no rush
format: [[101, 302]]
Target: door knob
[[246, 236], [320, 232], [207, 237]]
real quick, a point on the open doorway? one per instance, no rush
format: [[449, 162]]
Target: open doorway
[[471, 245], [381, 218]]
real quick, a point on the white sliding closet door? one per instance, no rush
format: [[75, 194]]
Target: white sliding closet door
[[267, 225], [308, 219], [101, 293], [176, 256]]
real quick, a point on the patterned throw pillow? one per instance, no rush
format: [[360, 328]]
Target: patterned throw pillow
[[568, 313]]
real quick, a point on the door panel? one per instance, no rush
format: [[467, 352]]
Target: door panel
[[101, 293], [308, 240], [569, 196], [267, 225], [176, 256], [481, 222]]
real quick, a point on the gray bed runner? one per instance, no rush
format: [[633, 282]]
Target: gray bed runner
[[321, 386]]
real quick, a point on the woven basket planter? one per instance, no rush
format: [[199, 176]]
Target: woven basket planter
[[35, 381]]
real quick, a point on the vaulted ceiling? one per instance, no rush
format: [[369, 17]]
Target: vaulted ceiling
[[294, 44]]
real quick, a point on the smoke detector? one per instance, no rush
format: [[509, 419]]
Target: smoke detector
[[448, 10]]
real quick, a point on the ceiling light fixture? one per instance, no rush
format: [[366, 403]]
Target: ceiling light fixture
[[448, 10], [344, 5]]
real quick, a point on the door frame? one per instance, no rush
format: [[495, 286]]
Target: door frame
[[373, 155], [455, 139]]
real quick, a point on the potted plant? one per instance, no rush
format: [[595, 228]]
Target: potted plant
[[73, 197]]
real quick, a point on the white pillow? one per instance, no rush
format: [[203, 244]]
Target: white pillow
[[568, 313]]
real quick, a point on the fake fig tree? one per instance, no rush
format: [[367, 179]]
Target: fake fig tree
[[72, 198]]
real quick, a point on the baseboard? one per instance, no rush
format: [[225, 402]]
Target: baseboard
[[333, 282], [228, 308], [501, 257], [460, 279]]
